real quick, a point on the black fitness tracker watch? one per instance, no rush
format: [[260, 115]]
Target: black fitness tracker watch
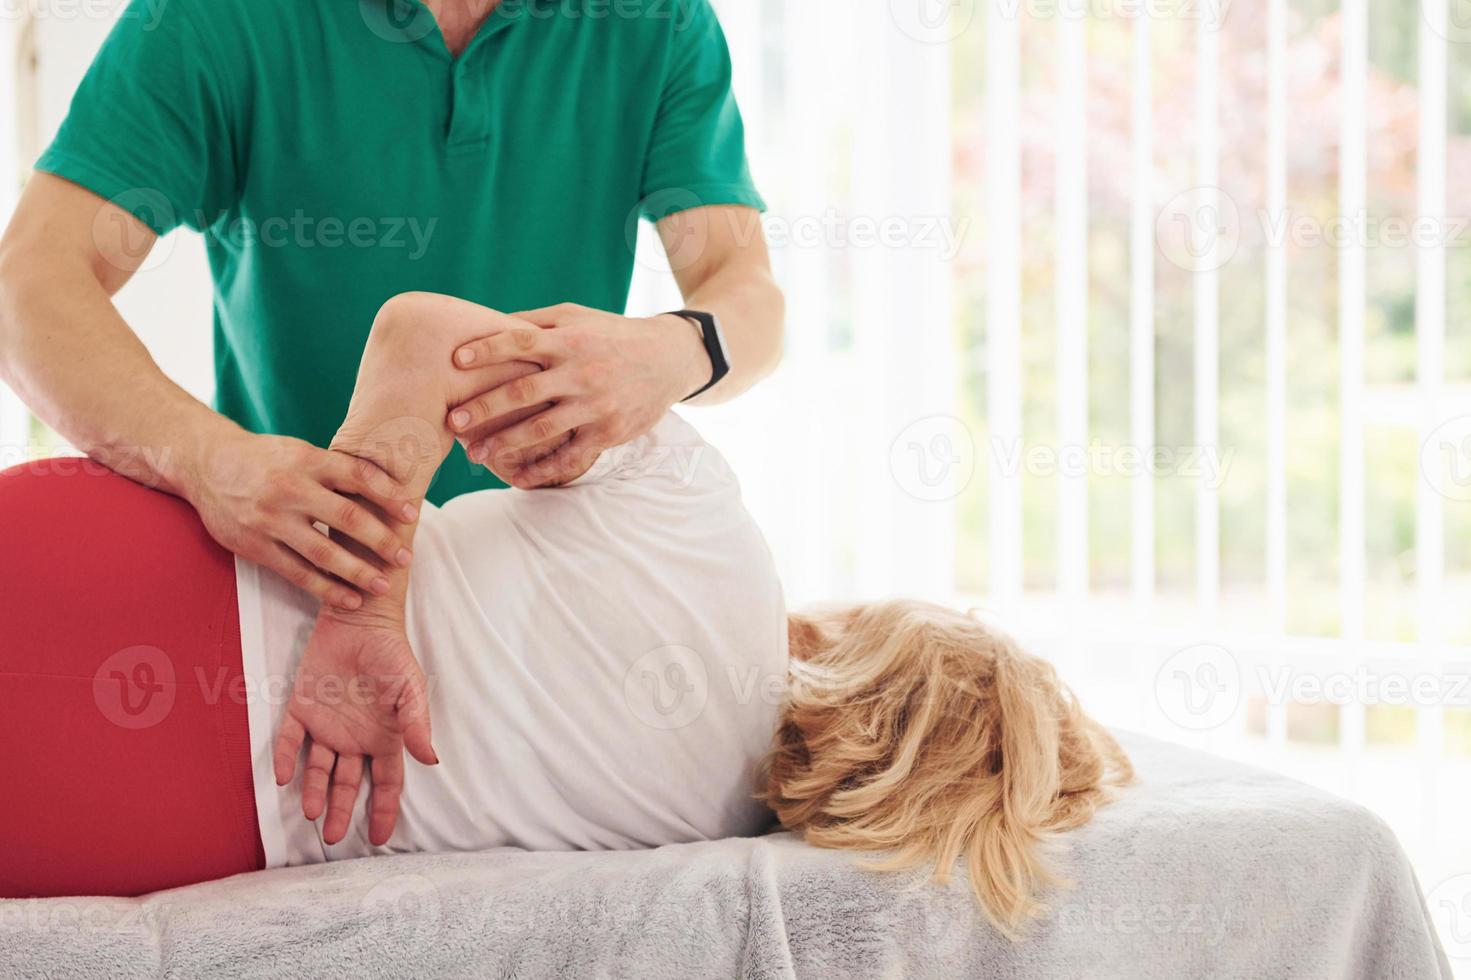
[[714, 346]]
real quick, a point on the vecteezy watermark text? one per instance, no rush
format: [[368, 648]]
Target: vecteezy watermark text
[[302, 230], [1203, 686], [1208, 464]]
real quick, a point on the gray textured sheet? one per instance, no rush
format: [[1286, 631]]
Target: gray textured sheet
[[1205, 869]]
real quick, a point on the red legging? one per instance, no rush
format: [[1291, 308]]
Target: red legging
[[124, 746]]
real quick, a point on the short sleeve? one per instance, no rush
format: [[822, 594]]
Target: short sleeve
[[697, 155], [150, 127]]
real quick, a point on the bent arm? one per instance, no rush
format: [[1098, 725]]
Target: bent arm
[[69, 354], [406, 385], [396, 420]]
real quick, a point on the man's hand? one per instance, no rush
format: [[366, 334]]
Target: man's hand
[[608, 378], [359, 695], [259, 496]]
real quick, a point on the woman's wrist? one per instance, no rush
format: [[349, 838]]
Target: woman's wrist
[[377, 613], [409, 449]]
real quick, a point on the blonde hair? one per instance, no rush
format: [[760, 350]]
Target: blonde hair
[[916, 729]]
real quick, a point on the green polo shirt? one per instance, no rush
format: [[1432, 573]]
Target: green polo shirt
[[333, 154]]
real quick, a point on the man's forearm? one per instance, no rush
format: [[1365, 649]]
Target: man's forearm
[[68, 353], [720, 258], [751, 311]]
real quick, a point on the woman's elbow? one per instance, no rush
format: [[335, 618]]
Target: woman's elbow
[[401, 315]]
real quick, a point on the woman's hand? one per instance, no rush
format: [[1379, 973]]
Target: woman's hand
[[608, 378], [359, 695], [259, 497]]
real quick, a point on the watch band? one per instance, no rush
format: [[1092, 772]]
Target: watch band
[[714, 342]]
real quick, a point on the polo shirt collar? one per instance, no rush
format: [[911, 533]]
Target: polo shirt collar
[[416, 23]]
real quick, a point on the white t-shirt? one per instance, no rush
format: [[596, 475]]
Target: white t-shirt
[[605, 662]]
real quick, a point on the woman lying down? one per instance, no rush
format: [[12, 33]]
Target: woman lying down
[[607, 664]]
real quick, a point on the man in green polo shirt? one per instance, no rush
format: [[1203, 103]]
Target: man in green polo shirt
[[337, 152]]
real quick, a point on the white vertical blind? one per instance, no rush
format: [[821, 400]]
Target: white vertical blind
[[1072, 302], [1207, 313], [1430, 285], [928, 178], [870, 161], [1141, 312], [1003, 298], [1276, 353], [806, 281], [1351, 299], [917, 336], [1276, 299]]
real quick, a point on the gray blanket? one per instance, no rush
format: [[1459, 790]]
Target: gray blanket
[[1206, 868]]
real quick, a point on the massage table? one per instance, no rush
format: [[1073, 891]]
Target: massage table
[[1205, 868]]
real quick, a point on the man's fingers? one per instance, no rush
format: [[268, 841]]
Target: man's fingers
[[383, 799], [347, 779], [287, 749], [508, 463], [553, 470], [472, 438], [488, 376], [486, 321], [352, 474], [314, 781], [352, 520], [305, 576], [523, 392], [523, 343], [544, 427], [330, 556]]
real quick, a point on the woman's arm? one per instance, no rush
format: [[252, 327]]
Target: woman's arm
[[407, 384], [359, 692]]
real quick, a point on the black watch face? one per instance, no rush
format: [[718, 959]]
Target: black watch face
[[716, 345]]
